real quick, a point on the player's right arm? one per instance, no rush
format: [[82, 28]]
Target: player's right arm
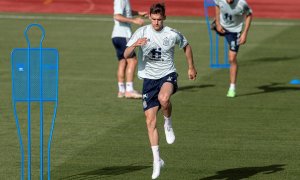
[[129, 50], [137, 39]]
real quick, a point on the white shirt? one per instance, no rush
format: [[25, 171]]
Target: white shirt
[[232, 15], [122, 29], [156, 57]]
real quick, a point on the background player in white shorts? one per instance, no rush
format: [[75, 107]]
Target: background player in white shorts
[[230, 17], [156, 66], [120, 35]]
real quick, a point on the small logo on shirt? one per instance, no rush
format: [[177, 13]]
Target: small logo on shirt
[[166, 42]]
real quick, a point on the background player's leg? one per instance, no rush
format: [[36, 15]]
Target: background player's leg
[[233, 73], [121, 77], [233, 66], [130, 70]]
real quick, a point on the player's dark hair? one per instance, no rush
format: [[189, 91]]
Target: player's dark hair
[[158, 8]]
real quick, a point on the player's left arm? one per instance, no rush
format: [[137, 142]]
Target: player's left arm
[[192, 72], [244, 34]]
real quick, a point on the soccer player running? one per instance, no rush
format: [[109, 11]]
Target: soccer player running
[[230, 17], [156, 44], [120, 35]]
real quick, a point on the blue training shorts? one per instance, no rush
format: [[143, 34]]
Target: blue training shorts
[[151, 88], [120, 46], [232, 39]]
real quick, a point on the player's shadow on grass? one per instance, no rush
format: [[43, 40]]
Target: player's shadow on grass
[[106, 172], [245, 172], [273, 87], [193, 87]]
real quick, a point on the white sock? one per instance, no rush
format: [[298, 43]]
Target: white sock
[[121, 87], [129, 86], [168, 121], [232, 86], [155, 152]]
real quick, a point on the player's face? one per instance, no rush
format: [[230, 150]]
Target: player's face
[[157, 21], [229, 1]]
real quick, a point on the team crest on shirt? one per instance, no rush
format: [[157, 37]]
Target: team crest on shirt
[[166, 41]]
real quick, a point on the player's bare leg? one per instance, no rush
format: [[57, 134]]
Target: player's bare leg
[[153, 138], [151, 125], [166, 106], [233, 73]]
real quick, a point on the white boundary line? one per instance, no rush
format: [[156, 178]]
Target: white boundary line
[[103, 19]]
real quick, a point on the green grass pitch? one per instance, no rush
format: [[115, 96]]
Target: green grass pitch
[[98, 136]]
